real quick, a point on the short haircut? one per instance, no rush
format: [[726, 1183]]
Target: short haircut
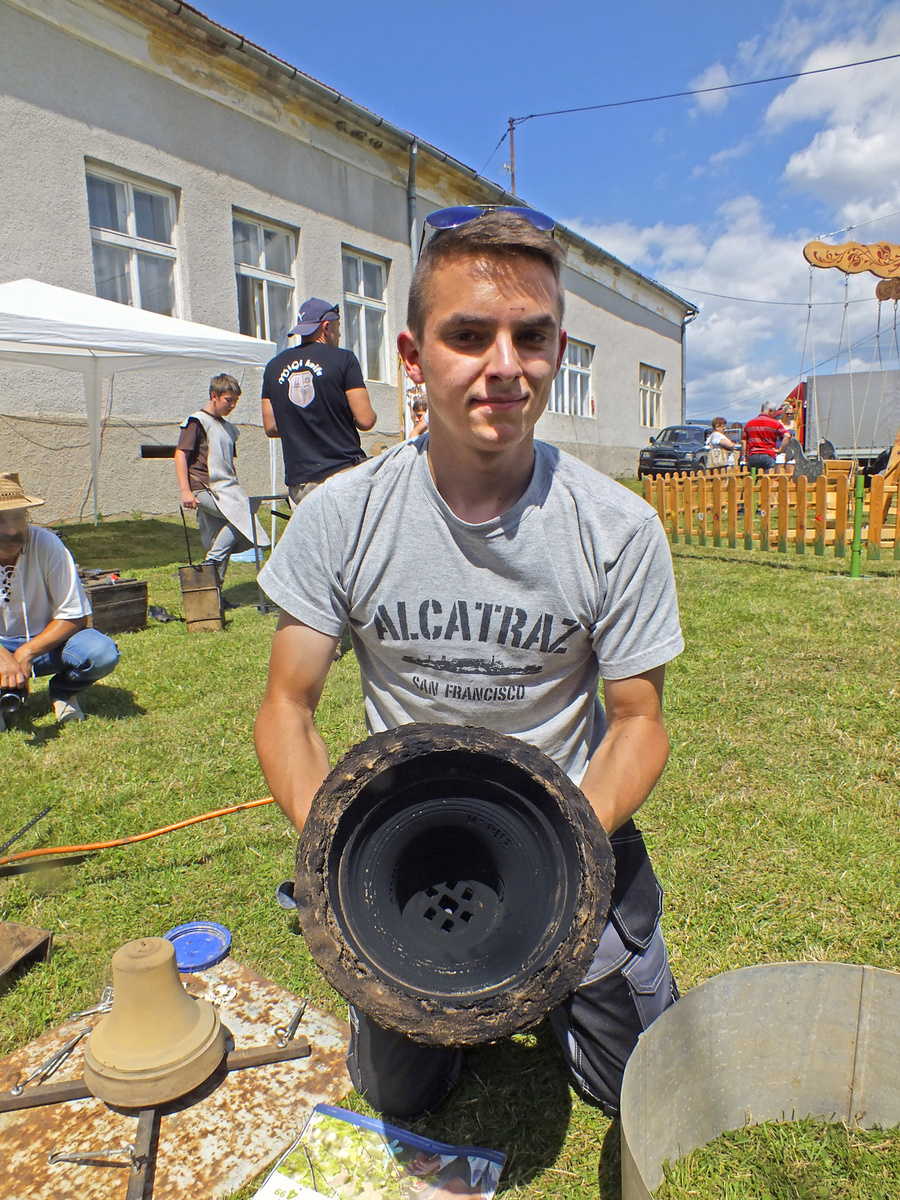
[[493, 235], [718, 421], [770, 406], [220, 384]]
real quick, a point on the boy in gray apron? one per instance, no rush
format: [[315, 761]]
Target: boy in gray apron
[[204, 465]]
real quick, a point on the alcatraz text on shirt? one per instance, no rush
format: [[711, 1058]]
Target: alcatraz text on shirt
[[481, 621]]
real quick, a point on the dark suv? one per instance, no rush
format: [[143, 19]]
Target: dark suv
[[677, 448]]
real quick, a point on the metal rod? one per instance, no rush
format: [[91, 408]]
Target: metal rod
[[53, 1063], [187, 540], [857, 527], [512, 156], [103, 1005], [411, 207], [92, 1156], [144, 1155], [288, 1034], [77, 1089], [15, 837]]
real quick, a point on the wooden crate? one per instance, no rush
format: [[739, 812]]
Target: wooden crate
[[201, 597], [117, 607]]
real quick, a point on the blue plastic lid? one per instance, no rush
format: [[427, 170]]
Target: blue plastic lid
[[199, 944]]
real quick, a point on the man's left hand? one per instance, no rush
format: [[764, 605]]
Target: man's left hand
[[633, 753], [12, 674], [24, 656]]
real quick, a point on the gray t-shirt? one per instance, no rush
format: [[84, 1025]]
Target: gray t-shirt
[[509, 624]]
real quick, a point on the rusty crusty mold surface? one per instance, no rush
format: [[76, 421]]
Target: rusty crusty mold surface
[[426, 1020], [211, 1142]]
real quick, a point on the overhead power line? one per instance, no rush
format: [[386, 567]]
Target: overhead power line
[[723, 87], [785, 380], [686, 287]]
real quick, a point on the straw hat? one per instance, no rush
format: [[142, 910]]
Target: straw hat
[[11, 494]]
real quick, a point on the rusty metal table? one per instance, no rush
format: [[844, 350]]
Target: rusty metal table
[[209, 1144]]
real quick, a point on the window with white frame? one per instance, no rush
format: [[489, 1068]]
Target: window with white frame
[[651, 387], [133, 239], [571, 393], [365, 284], [264, 268]]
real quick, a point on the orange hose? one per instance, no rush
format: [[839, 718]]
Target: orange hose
[[137, 837]]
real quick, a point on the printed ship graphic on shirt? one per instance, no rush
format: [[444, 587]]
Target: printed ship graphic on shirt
[[471, 666]]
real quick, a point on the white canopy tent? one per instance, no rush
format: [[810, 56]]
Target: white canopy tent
[[46, 326]]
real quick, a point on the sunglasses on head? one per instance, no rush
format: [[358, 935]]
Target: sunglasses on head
[[452, 218], [462, 214]]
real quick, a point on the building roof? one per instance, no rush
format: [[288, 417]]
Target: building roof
[[222, 39]]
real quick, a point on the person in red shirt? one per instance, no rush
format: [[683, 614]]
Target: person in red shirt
[[764, 437]]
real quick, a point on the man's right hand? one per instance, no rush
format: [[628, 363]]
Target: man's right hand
[[11, 673], [188, 500], [291, 752]]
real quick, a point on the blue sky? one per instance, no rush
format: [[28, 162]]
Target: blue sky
[[707, 194]]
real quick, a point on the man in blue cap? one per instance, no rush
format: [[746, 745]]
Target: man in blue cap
[[314, 399]]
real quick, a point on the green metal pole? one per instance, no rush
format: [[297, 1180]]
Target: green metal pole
[[857, 527]]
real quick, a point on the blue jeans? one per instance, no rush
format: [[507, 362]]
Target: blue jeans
[[761, 462], [87, 656]]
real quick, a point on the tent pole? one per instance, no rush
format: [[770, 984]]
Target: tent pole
[[93, 394], [273, 477]]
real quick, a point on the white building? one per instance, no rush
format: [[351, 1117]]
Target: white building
[[156, 158]]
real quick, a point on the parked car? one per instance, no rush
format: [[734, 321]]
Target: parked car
[[676, 448]]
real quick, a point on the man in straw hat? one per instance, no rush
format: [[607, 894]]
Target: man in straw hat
[[44, 610]]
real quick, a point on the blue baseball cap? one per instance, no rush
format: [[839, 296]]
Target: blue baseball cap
[[312, 313]]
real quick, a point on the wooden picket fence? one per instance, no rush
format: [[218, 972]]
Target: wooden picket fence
[[781, 512]]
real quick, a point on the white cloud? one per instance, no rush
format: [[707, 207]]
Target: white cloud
[[714, 76], [853, 95], [797, 30], [853, 161], [852, 171], [731, 152], [722, 158], [739, 352]]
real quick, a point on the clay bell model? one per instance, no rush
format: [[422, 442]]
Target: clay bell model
[[157, 1042]]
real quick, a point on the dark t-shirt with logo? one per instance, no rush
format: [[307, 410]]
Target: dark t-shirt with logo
[[307, 387]]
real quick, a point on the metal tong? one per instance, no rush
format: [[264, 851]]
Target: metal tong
[[53, 1063], [286, 1035], [92, 1156], [103, 1006]]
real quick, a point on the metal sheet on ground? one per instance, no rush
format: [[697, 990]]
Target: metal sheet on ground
[[210, 1142], [21, 942]]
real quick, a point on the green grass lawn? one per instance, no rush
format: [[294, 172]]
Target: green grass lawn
[[774, 829]]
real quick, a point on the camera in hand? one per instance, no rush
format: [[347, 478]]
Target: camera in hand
[[11, 700]]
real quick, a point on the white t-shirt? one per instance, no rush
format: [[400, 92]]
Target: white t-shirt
[[508, 624], [43, 586]]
